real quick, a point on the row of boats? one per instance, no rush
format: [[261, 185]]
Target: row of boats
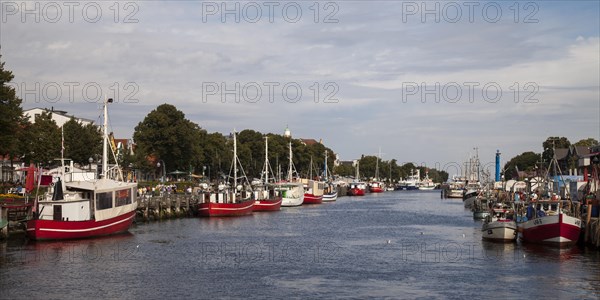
[[535, 216]]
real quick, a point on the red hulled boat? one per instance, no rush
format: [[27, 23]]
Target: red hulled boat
[[551, 226], [228, 201], [85, 209], [356, 189], [376, 187]]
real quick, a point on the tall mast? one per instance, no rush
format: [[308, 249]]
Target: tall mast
[[105, 138], [357, 175], [266, 159], [290, 165], [325, 165], [377, 166], [234, 161], [310, 172]]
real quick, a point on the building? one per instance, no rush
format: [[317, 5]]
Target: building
[[59, 116]]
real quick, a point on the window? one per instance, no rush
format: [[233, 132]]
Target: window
[[123, 197], [103, 200]]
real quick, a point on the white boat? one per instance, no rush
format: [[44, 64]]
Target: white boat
[[292, 193], [426, 184], [498, 227]]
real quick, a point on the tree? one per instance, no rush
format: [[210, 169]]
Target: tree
[[41, 140], [10, 114], [165, 134], [587, 142], [556, 143], [82, 141], [525, 161]]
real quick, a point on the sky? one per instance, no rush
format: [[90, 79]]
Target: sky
[[428, 82]]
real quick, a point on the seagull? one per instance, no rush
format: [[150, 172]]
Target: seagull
[[389, 241], [463, 235], [421, 232]]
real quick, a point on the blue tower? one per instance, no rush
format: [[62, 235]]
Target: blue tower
[[497, 165]]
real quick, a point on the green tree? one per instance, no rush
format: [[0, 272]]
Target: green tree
[[165, 134], [587, 142], [82, 141], [525, 161], [11, 114], [41, 140], [557, 143]]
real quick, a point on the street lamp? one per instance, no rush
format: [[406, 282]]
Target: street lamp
[[90, 160], [158, 164]]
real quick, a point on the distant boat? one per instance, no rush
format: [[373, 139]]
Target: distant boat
[[426, 184], [357, 188], [228, 201], [292, 192], [266, 197], [85, 209], [498, 227], [330, 193], [376, 186], [411, 183], [313, 189]]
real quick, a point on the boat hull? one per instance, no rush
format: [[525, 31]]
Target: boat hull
[[312, 199], [500, 231], [376, 189], [330, 197], [267, 204], [211, 209], [356, 192], [557, 229], [426, 188], [455, 194], [67, 230]]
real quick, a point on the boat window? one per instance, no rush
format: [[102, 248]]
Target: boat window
[[104, 200], [123, 197]]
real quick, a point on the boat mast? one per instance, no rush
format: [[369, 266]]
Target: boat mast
[[290, 165], [377, 166], [105, 138], [266, 159], [325, 165], [234, 161], [357, 175]]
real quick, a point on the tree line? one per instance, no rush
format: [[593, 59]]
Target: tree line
[[530, 161]]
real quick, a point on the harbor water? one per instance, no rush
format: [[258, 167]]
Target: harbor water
[[401, 244]]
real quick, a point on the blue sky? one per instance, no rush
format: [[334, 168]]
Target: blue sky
[[378, 61]]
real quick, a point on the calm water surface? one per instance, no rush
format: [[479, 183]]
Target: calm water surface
[[392, 245]]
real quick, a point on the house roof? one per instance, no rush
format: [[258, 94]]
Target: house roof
[[581, 150], [58, 112], [309, 141], [561, 153]]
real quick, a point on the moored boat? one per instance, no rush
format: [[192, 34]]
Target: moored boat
[[228, 201], [313, 191], [357, 188], [548, 223], [85, 209], [498, 227], [266, 197]]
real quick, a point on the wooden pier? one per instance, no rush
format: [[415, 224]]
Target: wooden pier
[[166, 206]]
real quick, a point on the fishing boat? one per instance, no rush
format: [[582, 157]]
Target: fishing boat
[[411, 183], [481, 209], [426, 184], [456, 188], [551, 220], [85, 209], [266, 197], [499, 226], [376, 186], [228, 201], [357, 187], [313, 189], [292, 192], [330, 193]]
